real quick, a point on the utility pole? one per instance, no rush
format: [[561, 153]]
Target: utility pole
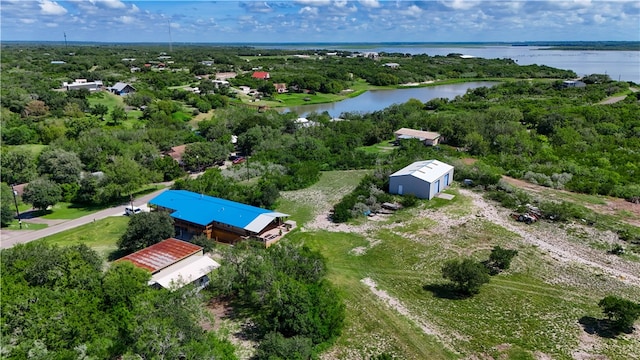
[[15, 201], [65, 40]]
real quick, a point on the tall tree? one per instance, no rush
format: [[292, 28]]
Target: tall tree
[[145, 229], [118, 115], [18, 166], [42, 193], [63, 167]]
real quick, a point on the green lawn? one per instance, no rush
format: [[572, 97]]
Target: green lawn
[[101, 235], [34, 149], [105, 98], [26, 225], [65, 210]]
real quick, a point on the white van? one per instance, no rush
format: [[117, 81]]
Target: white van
[[131, 211]]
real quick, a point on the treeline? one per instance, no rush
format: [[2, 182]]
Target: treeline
[[58, 303]]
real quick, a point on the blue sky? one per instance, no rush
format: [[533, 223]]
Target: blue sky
[[319, 20]]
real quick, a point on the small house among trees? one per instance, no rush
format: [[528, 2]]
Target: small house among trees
[[427, 137], [261, 75], [121, 88], [174, 263], [424, 179]]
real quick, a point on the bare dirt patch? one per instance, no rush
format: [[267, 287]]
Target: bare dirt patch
[[469, 161], [228, 325]]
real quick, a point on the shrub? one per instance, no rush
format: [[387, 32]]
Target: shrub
[[468, 275], [622, 313], [500, 259]]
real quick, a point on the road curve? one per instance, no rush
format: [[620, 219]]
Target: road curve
[[10, 238]]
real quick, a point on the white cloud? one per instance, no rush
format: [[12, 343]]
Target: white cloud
[[308, 10], [174, 25], [599, 19], [127, 19], [51, 25], [412, 10], [460, 4], [370, 3], [134, 9], [113, 4], [27, 21], [340, 3], [314, 2], [51, 8]]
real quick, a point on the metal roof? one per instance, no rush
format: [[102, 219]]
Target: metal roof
[[418, 134], [189, 270], [165, 253], [203, 210], [427, 170]]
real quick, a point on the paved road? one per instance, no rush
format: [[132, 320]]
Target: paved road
[[8, 238]]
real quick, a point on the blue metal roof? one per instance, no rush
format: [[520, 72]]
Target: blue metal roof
[[203, 209]]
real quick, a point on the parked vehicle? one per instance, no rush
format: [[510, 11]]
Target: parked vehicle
[[238, 160], [532, 215], [132, 211]]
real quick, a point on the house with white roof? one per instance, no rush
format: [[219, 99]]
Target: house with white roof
[[424, 179]]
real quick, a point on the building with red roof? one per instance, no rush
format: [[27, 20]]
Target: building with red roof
[[261, 75], [174, 263]]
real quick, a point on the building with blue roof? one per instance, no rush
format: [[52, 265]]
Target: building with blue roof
[[219, 219]]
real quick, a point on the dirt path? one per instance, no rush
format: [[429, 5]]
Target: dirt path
[[613, 206], [557, 245], [400, 308]]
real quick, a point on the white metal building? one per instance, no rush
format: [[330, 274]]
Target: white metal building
[[424, 179]]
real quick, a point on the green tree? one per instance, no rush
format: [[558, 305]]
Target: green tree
[[100, 110], [7, 209], [61, 166], [145, 229], [468, 275], [274, 346], [125, 174], [42, 193], [204, 154], [18, 166], [118, 115], [500, 259], [622, 312]]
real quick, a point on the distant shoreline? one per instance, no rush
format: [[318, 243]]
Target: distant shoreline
[[546, 45]]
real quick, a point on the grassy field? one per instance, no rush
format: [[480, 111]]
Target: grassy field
[[102, 235], [65, 211], [111, 101], [304, 204], [26, 225], [532, 311], [34, 149]]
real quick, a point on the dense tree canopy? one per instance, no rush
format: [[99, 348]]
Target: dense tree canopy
[[145, 229], [58, 303]]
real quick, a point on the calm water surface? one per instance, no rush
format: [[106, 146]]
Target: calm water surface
[[375, 100], [619, 65]]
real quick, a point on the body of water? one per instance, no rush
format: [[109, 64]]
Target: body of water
[[375, 100], [619, 65]]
